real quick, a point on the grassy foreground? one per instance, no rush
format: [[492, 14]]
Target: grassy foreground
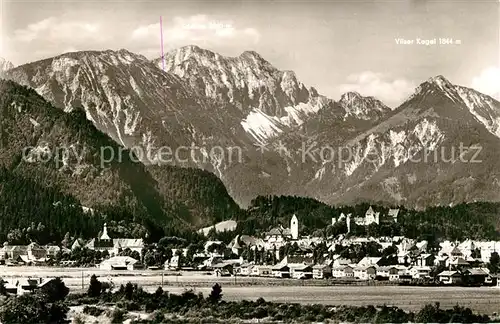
[[131, 302]]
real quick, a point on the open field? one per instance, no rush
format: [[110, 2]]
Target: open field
[[483, 299]]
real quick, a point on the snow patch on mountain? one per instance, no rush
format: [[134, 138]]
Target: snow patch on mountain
[[358, 155], [17, 106], [261, 126], [34, 122], [428, 134], [399, 152], [320, 173]]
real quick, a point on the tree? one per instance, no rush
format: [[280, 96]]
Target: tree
[[216, 294], [94, 287], [476, 253], [494, 265], [149, 258], [3, 291], [129, 290], [159, 292], [212, 233], [55, 290], [191, 251], [66, 241], [373, 230], [136, 255]]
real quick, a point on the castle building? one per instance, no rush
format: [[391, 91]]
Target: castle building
[[370, 217]]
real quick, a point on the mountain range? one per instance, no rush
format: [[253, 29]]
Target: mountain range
[[261, 131]]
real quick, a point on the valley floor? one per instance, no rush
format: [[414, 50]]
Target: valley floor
[[484, 300]]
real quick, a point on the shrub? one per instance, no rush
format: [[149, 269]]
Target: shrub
[[93, 311], [117, 316], [159, 292], [32, 308], [132, 306], [78, 319], [158, 317]]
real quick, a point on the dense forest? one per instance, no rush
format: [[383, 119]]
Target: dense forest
[[480, 220], [34, 212], [48, 155]]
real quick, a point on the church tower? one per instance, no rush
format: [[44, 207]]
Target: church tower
[[348, 222], [294, 227], [105, 236]]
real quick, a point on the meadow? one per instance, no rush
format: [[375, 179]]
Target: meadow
[[480, 299]]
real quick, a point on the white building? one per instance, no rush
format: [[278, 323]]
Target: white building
[[419, 272], [373, 217], [261, 271], [119, 263]]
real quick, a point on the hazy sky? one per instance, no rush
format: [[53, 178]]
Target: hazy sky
[[335, 46]]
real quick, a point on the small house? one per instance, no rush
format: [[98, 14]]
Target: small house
[[365, 272], [321, 271], [425, 260], [223, 269], [343, 271], [386, 272], [450, 277], [281, 271], [261, 271], [245, 269], [420, 272], [475, 276], [301, 271]]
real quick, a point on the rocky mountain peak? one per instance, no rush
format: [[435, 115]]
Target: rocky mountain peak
[[351, 95], [5, 65], [252, 55], [190, 50], [439, 80], [247, 81], [360, 106]]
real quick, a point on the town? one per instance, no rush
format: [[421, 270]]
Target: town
[[282, 252]]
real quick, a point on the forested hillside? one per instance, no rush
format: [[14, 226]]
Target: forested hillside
[[479, 220], [44, 148]]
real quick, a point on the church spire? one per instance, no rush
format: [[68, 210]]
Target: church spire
[[105, 235]]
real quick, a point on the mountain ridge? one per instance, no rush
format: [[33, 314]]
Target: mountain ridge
[[209, 100]]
